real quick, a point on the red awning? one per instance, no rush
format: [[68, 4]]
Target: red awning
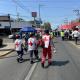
[[67, 26]]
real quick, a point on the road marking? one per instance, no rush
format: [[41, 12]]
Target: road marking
[[31, 71]]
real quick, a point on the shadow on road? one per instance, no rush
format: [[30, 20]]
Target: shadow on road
[[24, 60], [59, 63]]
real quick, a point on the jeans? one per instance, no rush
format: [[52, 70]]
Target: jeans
[[20, 53], [35, 52]]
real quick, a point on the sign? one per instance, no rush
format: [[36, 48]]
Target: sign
[[34, 14]]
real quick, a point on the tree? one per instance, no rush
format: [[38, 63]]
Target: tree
[[47, 25]]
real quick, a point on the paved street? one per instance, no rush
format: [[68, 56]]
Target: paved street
[[11, 70], [23, 22], [65, 66]]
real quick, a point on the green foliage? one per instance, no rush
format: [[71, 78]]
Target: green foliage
[[47, 25]]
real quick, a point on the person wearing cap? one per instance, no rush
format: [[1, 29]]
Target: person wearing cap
[[46, 38], [18, 48]]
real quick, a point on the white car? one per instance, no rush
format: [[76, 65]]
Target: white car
[[11, 36]]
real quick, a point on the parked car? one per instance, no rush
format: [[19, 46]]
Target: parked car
[[11, 36], [1, 42]]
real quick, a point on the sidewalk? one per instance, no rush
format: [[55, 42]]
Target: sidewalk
[[73, 43], [6, 49]]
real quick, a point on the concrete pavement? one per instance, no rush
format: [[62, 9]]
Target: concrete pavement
[[6, 49]]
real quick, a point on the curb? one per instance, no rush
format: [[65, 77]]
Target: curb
[[6, 49], [6, 53]]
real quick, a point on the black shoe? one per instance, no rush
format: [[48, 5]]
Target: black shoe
[[42, 64], [31, 62], [19, 60]]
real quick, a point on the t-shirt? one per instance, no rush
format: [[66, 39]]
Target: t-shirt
[[75, 33], [18, 44]]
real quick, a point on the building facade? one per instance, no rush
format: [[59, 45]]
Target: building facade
[[8, 25]]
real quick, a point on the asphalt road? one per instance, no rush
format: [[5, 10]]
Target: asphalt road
[[65, 65], [10, 69]]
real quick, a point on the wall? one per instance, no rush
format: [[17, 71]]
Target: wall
[[14, 24]]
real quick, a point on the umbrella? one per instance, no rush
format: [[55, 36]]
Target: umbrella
[[28, 29]]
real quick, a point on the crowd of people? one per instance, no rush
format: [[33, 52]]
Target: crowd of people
[[70, 35], [32, 41]]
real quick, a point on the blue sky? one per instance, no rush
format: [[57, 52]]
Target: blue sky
[[53, 11]]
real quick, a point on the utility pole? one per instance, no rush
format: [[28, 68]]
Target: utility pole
[[35, 22], [10, 23], [17, 16], [39, 12], [17, 12], [40, 15]]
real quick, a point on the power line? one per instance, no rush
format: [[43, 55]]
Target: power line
[[5, 14], [21, 5]]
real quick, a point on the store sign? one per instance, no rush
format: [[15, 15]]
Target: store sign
[[34, 14]]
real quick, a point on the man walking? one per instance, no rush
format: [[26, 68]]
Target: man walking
[[76, 34], [46, 38], [18, 48]]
